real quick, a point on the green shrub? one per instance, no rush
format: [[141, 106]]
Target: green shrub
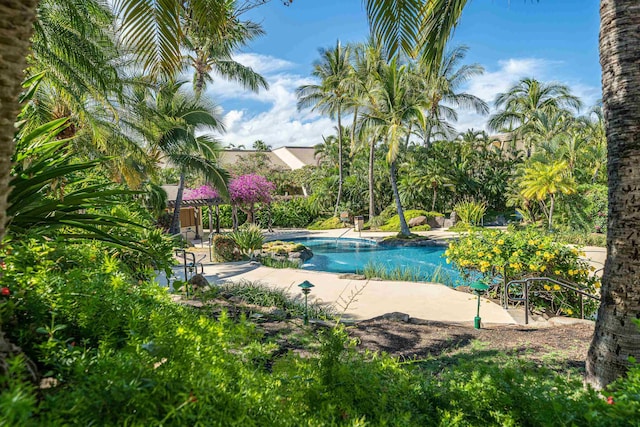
[[266, 296], [425, 227], [393, 224], [528, 253], [248, 239], [470, 212], [293, 213], [225, 249], [268, 261], [326, 224]]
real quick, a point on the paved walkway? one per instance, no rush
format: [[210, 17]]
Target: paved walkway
[[365, 299]]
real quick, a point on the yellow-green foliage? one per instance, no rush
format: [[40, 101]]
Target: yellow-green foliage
[[281, 247], [525, 254], [326, 224], [424, 227], [393, 224]]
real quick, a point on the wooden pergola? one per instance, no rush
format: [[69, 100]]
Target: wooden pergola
[[198, 204]]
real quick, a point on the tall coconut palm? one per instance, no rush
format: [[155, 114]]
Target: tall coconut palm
[[329, 96], [441, 85], [368, 61], [616, 338], [397, 104], [213, 52], [527, 99]]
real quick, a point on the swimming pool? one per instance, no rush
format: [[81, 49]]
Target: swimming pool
[[354, 255]]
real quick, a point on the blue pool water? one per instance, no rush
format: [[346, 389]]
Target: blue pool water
[[352, 255]]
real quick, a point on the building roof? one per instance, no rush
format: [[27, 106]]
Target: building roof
[[297, 157], [283, 157], [230, 157]]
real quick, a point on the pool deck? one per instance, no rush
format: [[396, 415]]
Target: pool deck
[[366, 299]]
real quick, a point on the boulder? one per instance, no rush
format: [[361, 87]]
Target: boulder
[[437, 222], [302, 255], [453, 217], [396, 316], [199, 282], [419, 220]]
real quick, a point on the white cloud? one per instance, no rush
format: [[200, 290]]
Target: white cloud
[[279, 123], [509, 72]]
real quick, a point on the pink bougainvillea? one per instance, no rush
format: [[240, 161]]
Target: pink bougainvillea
[[204, 192], [249, 189]]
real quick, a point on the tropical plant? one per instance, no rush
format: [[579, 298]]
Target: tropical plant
[[172, 118], [329, 95], [249, 239], [540, 181], [526, 103], [471, 212], [212, 51], [519, 254], [396, 105], [441, 86]]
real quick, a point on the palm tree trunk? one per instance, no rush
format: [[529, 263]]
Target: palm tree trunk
[[551, 205], [353, 131], [335, 211], [210, 219], [372, 201], [435, 194], [174, 228], [234, 216], [404, 228], [16, 26], [616, 336], [217, 219]]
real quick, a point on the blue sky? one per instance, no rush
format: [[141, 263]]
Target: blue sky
[[551, 40]]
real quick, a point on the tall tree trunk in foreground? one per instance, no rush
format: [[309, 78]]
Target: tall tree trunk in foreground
[[616, 335], [16, 26]]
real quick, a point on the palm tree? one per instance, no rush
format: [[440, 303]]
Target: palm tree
[[397, 103], [541, 181], [523, 103], [616, 338], [330, 95], [212, 52], [368, 61], [441, 86], [174, 117]]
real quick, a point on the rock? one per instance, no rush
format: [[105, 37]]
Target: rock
[[419, 220], [302, 255], [352, 276], [437, 222], [447, 223], [560, 320], [465, 289], [198, 282], [453, 217], [396, 316]]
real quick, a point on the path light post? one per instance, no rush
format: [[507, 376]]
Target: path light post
[[306, 288], [478, 288]]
